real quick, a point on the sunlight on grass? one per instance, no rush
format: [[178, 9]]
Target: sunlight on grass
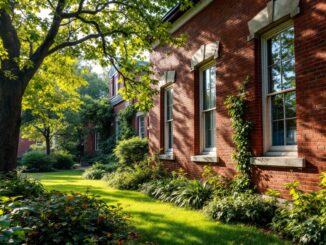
[[159, 222]]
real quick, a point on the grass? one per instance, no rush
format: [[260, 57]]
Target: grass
[[161, 223]]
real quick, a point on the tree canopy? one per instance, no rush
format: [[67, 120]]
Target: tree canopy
[[52, 92]]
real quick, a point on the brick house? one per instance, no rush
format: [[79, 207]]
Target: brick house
[[139, 121], [281, 46]]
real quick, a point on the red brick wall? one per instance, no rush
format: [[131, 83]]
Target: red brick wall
[[226, 21], [23, 146]]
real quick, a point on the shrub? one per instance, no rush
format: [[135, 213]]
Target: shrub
[[131, 178], [131, 151], [194, 194], [58, 218], [63, 160], [180, 191], [98, 170], [304, 219], [220, 185], [37, 161], [10, 232], [243, 207], [16, 184]]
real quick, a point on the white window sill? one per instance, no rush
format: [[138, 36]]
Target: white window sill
[[166, 156], [204, 158], [278, 161]]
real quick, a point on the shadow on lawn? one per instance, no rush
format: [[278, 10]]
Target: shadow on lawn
[[166, 230], [162, 229]]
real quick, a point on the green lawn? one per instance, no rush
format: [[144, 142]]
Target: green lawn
[[158, 222]]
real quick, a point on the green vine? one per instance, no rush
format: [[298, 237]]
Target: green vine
[[126, 130], [236, 106]]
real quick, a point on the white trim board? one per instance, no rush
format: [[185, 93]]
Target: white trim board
[[189, 14]]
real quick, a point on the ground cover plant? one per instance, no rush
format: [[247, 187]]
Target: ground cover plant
[[304, 218], [31, 215], [158, 222], [98, 170]]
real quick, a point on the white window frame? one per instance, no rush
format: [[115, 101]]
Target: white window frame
[[203, 149], [97, 142], [266, 95], [141, 129], [167, 149]]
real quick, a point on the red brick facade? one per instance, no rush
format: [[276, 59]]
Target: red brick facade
[[23, 146], [226, 22]]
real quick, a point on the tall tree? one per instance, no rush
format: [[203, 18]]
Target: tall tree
[[109, 30], [52, 92]]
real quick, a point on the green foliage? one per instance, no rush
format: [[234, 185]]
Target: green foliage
[[63, 160], [236, 106], [98, 170], [37, 161], [130, 178], [242, 207], [99, 113], [126, 130], [180, 191], [10, 232], [58, 218], [52, 91], [303, 219], [220, 184], [16, 184], [241, 183], [131, 151]]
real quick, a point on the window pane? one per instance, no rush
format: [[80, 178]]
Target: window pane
[[291, 132], [209, 88], [274, 46], [288, 43], [210, 129], [290, 104], [277, 107], [278, 132], [213, 87], [288, 74], [169, 104], [208, 136], [170, 135], [275, 78]]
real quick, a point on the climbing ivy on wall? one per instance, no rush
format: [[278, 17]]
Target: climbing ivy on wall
[[236, 106], [126, 130]]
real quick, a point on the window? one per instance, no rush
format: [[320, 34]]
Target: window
[[141, 126], [208, 109], [97, 141], [279, 89], [168, 119]]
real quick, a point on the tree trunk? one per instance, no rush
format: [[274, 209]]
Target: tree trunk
[[10, 119], [48, 141]]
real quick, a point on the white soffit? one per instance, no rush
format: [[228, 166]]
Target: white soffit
[[167, 78], [189, 14]]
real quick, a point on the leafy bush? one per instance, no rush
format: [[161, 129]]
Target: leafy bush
[[58, 218], [63, 160], [219, 184], [16, 184], [98, 170], [304, 219], [131, 151], [37, 161], [10, 232], [242, 207], [180, 191], [131, 178]]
